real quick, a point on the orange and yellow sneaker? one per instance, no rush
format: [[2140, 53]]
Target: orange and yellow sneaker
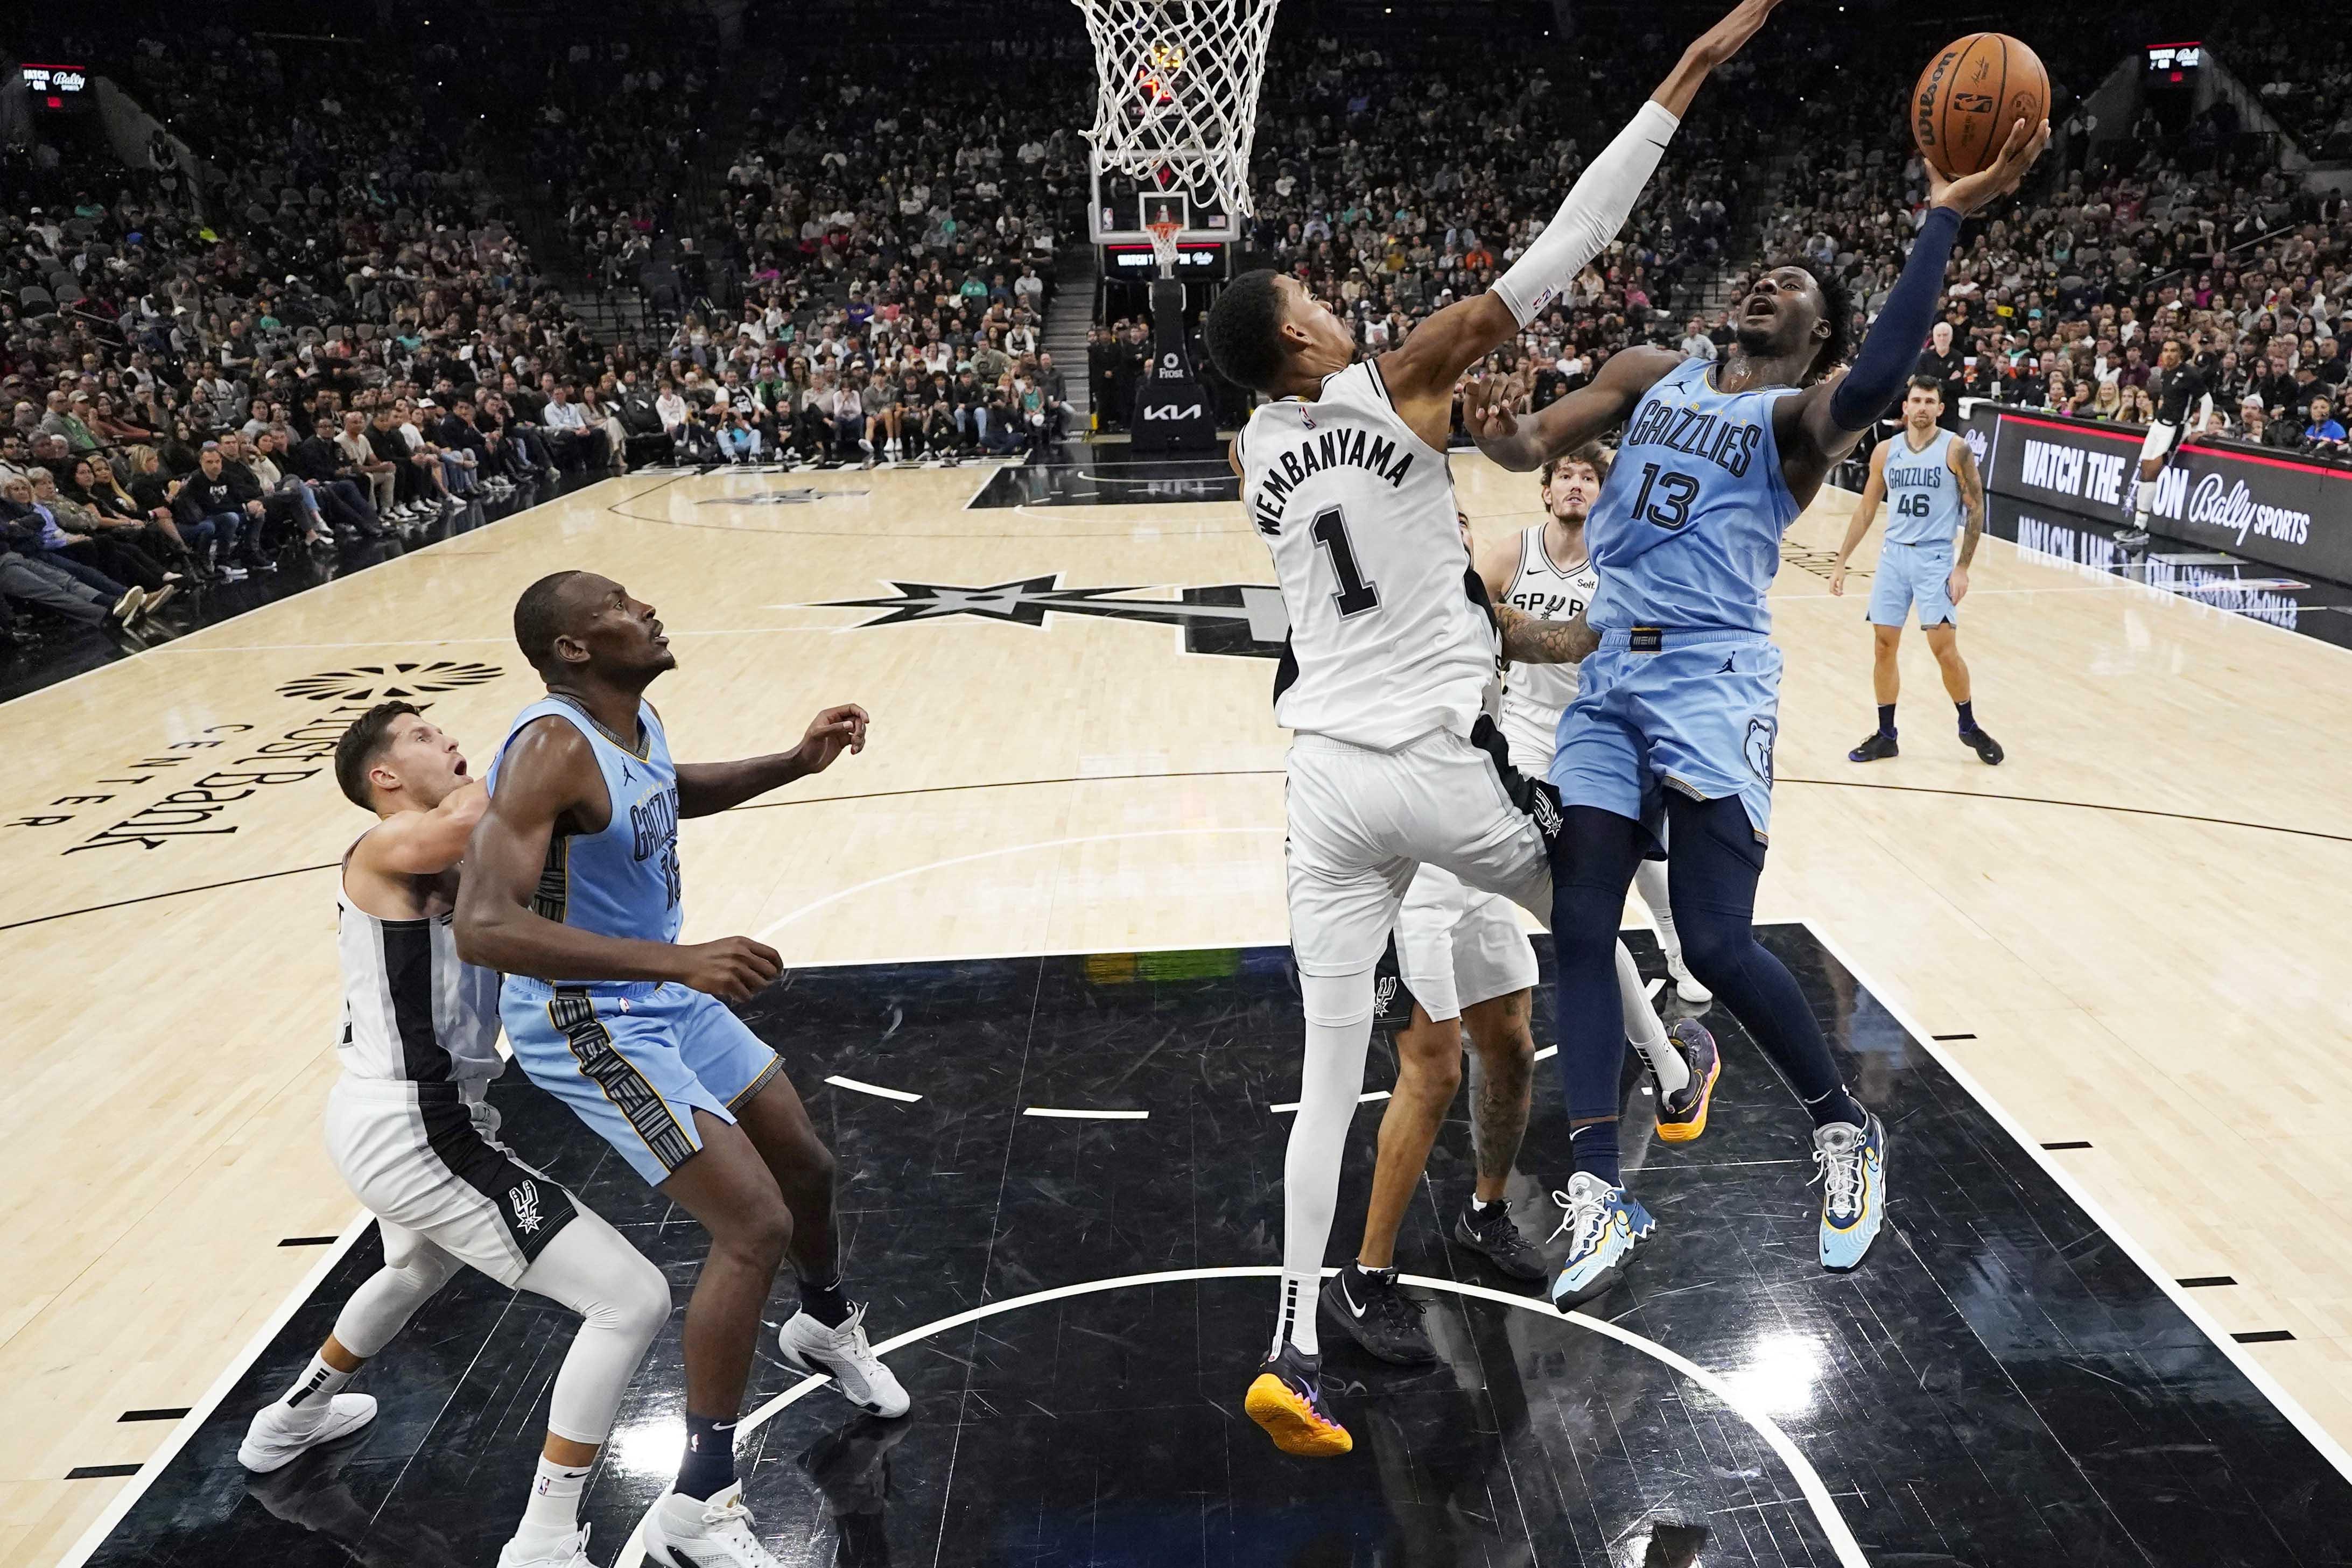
[[1682, 1115], [1286, 1399]]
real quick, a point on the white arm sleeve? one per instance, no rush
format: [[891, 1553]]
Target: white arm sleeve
[[1595, 210]]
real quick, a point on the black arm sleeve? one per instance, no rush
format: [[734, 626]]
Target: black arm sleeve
[[1892, 348]]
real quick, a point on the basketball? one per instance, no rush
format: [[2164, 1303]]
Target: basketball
[[1970, 94]]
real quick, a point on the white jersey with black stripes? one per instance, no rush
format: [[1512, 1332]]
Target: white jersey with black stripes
[[413, 1010], [1359, 514]]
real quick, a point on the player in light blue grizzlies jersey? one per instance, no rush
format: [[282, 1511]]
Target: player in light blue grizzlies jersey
[[572, 890], [1927, 476], [1678, 709]]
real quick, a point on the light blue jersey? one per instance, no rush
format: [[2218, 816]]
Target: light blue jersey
[[621, 881], [636, 1060], [1923, 494], [1683, 691], [1687, 534]]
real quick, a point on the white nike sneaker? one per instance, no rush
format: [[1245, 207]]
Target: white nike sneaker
[[842, 1355], [689, 1533], [1686, 984], [271, 1442], [563, 1551]]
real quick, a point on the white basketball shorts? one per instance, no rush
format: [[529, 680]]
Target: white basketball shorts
[[426, 1160], [1362, 821], [1457, 947]]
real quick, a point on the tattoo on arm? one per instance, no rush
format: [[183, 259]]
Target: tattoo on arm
[[1972, 499], [1532, 640]]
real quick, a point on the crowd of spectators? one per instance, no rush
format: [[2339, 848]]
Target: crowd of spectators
[[868, 280], [316, 326], [306, 342], [2063, 298]]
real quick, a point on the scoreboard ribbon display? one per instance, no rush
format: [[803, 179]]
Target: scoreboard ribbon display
[[2274, 507]]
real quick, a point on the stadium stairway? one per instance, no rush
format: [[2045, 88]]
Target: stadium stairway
[[1763, 200], [1067, 318]]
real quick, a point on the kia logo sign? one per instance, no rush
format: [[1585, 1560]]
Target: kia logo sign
[[1171, 410]]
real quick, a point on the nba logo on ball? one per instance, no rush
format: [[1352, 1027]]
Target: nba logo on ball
[[1971, 95]]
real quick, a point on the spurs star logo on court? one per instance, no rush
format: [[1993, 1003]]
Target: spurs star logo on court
[[1243, 620], [386, 683], [795, 498]]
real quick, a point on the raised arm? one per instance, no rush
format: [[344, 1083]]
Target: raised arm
[[1819, 426], [1866, 512], [548, 777], [1588, 414], [423, 844], [1421, 372], [704, 787]]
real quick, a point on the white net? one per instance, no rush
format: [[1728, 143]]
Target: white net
[[1176, 86]]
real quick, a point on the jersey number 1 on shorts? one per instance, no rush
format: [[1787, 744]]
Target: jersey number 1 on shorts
[[1355, 595]]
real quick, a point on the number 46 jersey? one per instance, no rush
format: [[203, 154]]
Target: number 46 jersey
[[1687, 534], [1386, 642]]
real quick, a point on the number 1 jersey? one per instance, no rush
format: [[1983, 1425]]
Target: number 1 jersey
[[1687, 534], [1387, 643]]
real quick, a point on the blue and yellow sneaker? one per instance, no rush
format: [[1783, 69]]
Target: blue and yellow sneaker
[[1682, 1115], [1604, 1224], [1286, 1399], [1853, 1163]]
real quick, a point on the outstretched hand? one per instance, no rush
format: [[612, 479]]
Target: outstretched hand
[[1723, 40], [1971, 192], [832, 732], [1486, 409]]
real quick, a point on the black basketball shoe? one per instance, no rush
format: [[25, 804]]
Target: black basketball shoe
[[1505, 1245], [1986, 748], [1370, 1308], [1877, 747]]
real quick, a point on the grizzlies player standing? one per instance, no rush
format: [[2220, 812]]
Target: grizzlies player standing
[[1678, 710], [1928, 476], [1393, 642], [572, 889]]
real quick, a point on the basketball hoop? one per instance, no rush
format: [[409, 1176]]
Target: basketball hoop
[[1176, 100], [1164, 245]]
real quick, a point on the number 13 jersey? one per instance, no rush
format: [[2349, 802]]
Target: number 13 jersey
[[1687, 534], [1386, 641]]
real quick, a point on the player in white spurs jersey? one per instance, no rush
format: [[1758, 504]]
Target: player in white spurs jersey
[[1391, 645], [410, 1130]]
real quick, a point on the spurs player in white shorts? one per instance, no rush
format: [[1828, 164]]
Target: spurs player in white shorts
[[409, 1130], [1465, 967], [1393, 642]]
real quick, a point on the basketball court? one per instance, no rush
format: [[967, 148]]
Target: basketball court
[[1038, 999]]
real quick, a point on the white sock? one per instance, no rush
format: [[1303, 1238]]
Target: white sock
[[1642, 1028], [555, 1506], [1649, 882], [306, 1403], [1338, 1010]]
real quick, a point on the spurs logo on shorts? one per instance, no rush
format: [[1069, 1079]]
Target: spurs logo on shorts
[[523, 1201]]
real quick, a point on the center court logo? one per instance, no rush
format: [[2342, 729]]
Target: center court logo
[[385, 683]]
